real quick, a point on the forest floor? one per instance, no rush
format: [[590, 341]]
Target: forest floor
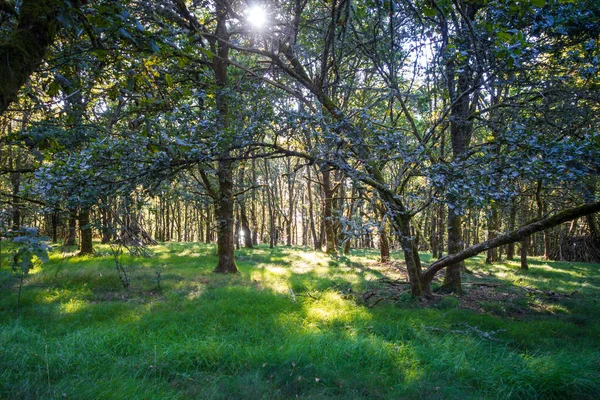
[[294, 324]]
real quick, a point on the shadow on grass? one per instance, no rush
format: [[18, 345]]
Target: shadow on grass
[[245, 336]]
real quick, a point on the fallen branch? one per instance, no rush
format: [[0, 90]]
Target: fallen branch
[[469, 330]]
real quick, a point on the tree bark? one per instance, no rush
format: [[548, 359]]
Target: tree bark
[[459, 81], [330, 242], [512, 216], [15, 180], [224, 201], [384, 242], [85, 230], [248, 242], [493, 222], [225, 223], [24, 48], [270, 208], [72, 231], [253, 206], [311, 212]]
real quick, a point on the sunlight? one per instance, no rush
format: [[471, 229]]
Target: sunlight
[[73, 305], [257, 16]]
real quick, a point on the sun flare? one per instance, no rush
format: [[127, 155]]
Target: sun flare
[[257, 16]]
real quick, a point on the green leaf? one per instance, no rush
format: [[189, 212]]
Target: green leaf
[[169, 80], [538, 3], [207, 53], [153, 45], [429, 12], [53, 89]]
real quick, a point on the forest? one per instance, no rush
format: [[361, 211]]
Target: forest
[[273, 199]]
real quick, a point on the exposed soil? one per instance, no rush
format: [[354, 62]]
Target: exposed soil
[[481, 296]]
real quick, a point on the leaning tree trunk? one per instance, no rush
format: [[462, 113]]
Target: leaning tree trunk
[[510, 237]]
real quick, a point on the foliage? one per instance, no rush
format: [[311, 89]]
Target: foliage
[[29, 245]]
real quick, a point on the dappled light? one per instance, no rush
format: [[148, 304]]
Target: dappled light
[[309, 199], [296, 322]]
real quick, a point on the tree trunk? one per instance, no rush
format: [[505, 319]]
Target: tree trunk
[[459, 80], [270, 207], [224, 214], [384, 242], [291, 210], [330, 242], [209, 218], [512, 216], [418, 286], [311, 212], [248, 242], [253, 207], [524, 249], [434, 233], [224, 201], [106, 226], [72, 231], [86, 233], [452, 279], [15, 179], [493, 222], [54, 226]]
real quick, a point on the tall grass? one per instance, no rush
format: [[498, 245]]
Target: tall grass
[[291, 325]]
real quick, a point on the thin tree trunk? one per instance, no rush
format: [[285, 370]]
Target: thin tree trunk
[[311, 213], [330, 242], [253, 206], [270, 208], [512, 216]]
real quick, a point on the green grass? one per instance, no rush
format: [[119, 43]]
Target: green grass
[[293, 324]]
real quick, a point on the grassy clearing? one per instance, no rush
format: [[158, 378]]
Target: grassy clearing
[[294, 324]]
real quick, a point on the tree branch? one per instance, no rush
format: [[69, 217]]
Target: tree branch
[[512, 237]]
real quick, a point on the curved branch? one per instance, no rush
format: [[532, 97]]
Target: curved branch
[[513, 236]]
